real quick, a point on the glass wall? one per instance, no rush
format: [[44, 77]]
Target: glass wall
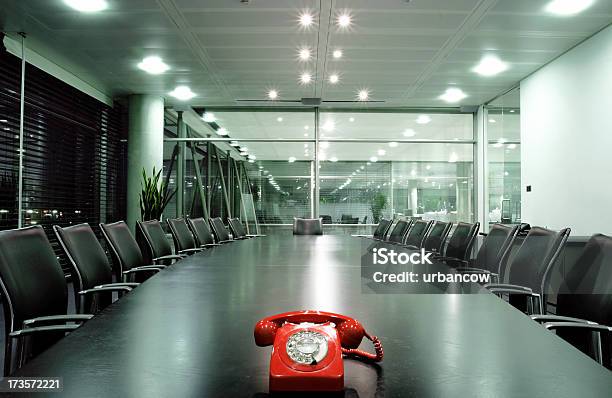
[[504, 159], [372, 164]]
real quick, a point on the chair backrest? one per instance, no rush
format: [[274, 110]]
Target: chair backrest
[[307, 226], [383, 228], [181, 235], [417, 232], [495, 247], [31, 278], [326, 219], [399, 231], [219, 230], [201, 231], [237, 228], [155, 242], [537, 254], [124, 249], [461, 241], [87, 260], [436, 237]]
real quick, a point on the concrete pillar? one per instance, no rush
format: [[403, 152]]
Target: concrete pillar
[[145, 147]]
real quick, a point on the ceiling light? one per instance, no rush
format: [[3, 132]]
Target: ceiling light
[[511, 110], [252, 157], [329, 126], [279, 119], [222, 131], [344, 20], [428, 167], [153, 65], [512, 146], [453, 94], [423, 119], [568, 7], [305, 78], [333, 79], [411, 132], [251, 161], [413, 173], [324, 144], [362, 167], [333, 159], [243, 153], [209, 117], [337, 54], [87, 5], [351, 119], [304, 53], [490, 65], [305, 134], [453, 158], [373, 159], [273, 94], [381, 152], [363, 95], [492, 121], [393, 144], [182, 93], [306, 19]]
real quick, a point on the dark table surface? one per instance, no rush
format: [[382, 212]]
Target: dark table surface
[[188, 332]]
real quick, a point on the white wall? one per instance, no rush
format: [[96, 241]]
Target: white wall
[[566, 140]]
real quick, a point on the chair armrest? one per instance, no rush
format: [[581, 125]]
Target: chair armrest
[[558, 318], [128, 284], [169, 257], [223, 242], [207, 245], [191, 251], [411, 247], [508, 286], [256, 235], [473, 269], [95, 290], [41, 329], [502, 290], [142, 269], [54, 319], [362, 236], [594, 327]]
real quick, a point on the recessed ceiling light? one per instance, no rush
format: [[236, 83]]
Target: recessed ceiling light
[[411, 132], [381, 152], [453, 94], [305, 134], [511, 110], [423, 119], [363, 95], [222, 131], [453, 158], [490, 65], [511, 146], [279, 119], [351, 119], [305, 78], [337, 54], [568, 7], [373, 159], [87, 5], [492, 121], [333, 79], [273, 94], [182, 93], [428, 167], [304, 53], [344, 20], [209, 117], [362, 167], [329, 126], [393, 144], [413, 172], [153, 65], [306, 19], [333, 159]]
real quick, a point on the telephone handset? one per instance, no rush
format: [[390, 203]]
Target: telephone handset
[[308, 349]]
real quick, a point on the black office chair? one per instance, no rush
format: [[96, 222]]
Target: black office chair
[[493, 252], [326, 219], [219, 231], [398, 233], [237, 229], [528, 272], [584, 302], [34, 296], [436, 237], [460, 244], [416, 235], [153, 242], [307, 226], [383, 229], [94, 276], [184, 241], [201, 232], [127, 257]]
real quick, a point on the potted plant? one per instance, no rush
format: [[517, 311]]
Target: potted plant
[[379, 202], [155, 196]]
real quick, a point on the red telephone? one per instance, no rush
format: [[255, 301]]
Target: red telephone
[[308, 349]]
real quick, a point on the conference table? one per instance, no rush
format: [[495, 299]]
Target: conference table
[[188, 332]]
